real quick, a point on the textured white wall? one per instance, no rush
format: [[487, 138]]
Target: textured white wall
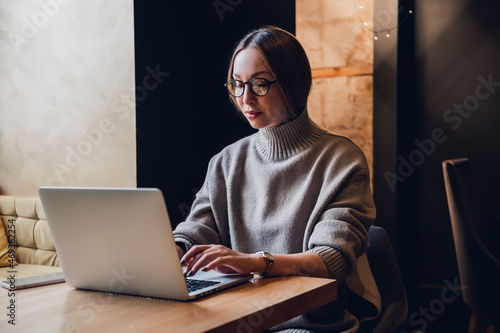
[[67, 97]]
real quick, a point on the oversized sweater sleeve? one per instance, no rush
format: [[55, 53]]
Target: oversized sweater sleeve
[[344, 222], [336, 262], [200, 226]]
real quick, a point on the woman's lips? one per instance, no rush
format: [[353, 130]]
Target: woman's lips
[[252, 114]]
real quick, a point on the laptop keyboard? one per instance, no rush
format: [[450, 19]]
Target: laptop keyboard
[[195, 284]]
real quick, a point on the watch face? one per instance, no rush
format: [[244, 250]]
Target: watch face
[[269, 257]]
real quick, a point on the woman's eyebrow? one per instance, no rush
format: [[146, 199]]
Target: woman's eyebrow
[[254, 74]]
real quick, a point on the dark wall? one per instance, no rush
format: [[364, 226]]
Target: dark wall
[[456, 56], [183, 112], [385, 97], [445, 109]]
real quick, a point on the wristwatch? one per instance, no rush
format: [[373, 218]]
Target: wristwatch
[[269, 262]]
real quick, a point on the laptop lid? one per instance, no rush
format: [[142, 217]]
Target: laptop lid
[[119, 240]]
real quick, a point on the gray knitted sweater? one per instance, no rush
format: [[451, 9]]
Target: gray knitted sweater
[[290, 189]]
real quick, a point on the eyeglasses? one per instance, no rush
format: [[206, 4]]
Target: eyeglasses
[[258, 86]]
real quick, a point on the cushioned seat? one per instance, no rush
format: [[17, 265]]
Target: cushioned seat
[[385, 269], [34, 249]]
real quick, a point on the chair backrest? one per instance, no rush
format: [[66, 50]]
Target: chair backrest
[[388, 277], [34, 243], [474, 234]]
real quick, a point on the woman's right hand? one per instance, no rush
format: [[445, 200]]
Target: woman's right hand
[[222, 260]]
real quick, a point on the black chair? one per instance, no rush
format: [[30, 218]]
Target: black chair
[[475, 233], [386, 272]]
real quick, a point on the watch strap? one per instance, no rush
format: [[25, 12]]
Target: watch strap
[[269, 259]]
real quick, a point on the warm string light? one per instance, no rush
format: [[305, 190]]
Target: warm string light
[[376, 32]]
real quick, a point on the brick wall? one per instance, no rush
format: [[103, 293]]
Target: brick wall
[[338, 38]]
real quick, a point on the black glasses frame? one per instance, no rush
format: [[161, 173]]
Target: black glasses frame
[[249, 82]]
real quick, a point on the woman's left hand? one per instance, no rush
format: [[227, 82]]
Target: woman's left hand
[[221, 259]]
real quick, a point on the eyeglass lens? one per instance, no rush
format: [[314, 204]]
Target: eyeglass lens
[[259, 87]]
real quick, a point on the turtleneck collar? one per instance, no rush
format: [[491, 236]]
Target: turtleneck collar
[[284, 141]]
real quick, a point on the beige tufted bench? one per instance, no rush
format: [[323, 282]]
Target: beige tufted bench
[[35, 251]]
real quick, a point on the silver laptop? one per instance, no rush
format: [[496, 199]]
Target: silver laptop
[[120, 241]]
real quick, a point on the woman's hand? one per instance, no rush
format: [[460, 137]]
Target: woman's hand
[[225, 260], [221, 259]]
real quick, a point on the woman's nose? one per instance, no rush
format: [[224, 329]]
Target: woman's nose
[[248, 97]]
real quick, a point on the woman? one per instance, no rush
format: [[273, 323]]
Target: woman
[[291, 199]]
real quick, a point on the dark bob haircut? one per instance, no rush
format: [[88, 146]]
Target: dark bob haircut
[[286, 59]]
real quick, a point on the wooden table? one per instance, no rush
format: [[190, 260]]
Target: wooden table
[[250, 307]]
